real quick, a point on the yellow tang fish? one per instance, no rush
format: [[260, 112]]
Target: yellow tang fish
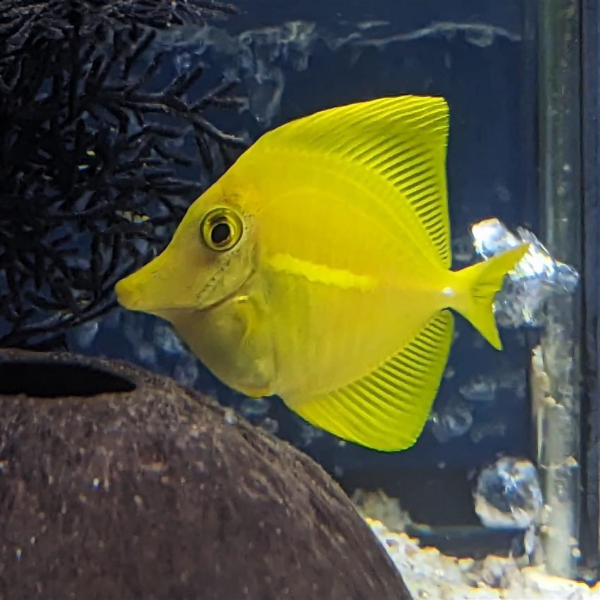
[[318, 269]]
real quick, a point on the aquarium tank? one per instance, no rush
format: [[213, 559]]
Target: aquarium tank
[[117, 116]]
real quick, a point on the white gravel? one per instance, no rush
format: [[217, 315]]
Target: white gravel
[[431, 575]]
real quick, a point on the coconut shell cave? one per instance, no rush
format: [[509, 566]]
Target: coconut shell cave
[[118, 483]]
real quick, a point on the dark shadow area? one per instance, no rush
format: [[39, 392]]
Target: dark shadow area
[[58, 380]]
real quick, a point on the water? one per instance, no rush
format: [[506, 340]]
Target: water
[[107, 165]]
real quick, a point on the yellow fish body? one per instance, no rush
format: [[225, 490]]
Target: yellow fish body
[[318, 269]]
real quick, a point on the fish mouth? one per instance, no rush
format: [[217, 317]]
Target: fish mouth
[[129, 296]]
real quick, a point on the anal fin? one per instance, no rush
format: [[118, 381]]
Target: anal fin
[[387, 409]]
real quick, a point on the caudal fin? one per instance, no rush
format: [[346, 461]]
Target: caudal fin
[[479, 284]]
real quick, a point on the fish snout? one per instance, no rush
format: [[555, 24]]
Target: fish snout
[[152, 289], [128, 293]]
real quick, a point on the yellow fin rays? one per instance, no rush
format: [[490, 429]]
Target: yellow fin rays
[[403, 140], [387, 409]]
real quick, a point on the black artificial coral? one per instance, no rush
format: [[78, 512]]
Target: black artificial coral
[[57, 18], [102, 147]]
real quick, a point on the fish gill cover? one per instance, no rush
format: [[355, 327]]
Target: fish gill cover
[[103, 146]]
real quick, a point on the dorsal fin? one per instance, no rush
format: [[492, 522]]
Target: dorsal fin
[[403, 141]]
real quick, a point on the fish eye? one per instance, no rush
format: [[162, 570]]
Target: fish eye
[[221, 229]]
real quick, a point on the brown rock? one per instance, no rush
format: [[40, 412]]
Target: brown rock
[[117, 484]]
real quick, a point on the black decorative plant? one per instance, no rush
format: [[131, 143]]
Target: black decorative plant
[[103, 145]]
